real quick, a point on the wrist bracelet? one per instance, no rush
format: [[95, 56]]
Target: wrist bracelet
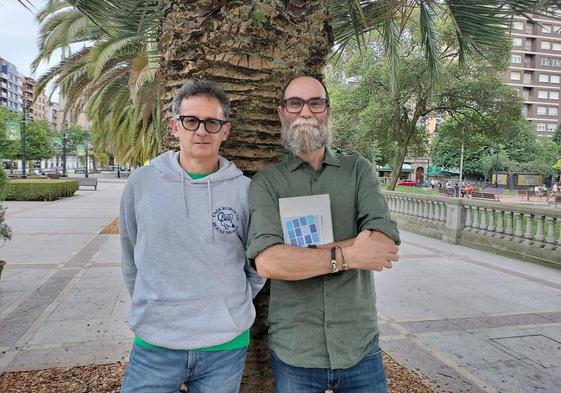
[[334, 268], [344, 266]]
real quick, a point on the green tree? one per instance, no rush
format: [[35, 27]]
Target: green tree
[[557, 136], [474, 99], [38, 140], [8, 149]]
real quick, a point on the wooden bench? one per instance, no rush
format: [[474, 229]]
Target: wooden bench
[[492, 190], [484, 195], [446, 191], [88, 182], [556, 200]]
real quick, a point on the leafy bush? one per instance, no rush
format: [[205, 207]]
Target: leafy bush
[[5, 231], [40, 190]]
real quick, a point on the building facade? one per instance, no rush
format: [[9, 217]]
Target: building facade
[[535, 71], [10, 87]]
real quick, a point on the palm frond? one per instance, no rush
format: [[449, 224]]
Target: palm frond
[[430, 40]]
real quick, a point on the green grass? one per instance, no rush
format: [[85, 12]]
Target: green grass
[[412, 190]]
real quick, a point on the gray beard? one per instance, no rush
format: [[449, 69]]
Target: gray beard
[[300, 142]]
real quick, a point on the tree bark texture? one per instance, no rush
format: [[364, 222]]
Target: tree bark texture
[[252, 48]]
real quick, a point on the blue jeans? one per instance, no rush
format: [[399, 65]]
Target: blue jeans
[[164, 370], [367, 376]]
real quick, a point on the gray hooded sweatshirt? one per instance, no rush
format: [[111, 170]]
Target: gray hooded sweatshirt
[[182, 252]]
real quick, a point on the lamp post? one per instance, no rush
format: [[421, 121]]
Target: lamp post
[[86, 148], [23, 146], [64, 136]]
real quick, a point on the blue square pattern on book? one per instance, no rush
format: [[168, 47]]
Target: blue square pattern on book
[[303, 231]]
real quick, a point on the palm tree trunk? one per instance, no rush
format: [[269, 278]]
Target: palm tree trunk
[[252, 48]]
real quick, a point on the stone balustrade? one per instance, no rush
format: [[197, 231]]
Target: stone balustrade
[[525, 231]]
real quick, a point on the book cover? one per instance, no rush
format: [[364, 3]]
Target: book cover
[[306, 220]]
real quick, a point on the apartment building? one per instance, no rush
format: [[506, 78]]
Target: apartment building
[[37, 105], [10, 86], [535, 70]]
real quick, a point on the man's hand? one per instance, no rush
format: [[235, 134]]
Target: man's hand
[[371, 251]]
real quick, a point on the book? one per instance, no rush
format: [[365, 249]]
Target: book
[[306, 220]]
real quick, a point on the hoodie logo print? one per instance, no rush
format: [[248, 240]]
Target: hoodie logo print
[[225, 220]]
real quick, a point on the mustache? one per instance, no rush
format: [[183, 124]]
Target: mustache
[[302, 122]]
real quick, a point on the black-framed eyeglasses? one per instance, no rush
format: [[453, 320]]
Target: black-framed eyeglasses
[[192, 123], [296, 104]]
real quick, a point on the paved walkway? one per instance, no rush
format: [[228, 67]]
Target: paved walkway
[[468, 320]]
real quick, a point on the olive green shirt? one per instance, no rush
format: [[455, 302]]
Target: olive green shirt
[[326, 321]]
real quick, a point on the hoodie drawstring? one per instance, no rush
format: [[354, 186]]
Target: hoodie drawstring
[[184, 196], [210, 209]]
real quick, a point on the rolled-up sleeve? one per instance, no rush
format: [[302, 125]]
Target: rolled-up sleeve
[[373, 212], [265, 228]]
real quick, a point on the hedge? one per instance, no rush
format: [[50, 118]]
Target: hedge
[[40, 190]]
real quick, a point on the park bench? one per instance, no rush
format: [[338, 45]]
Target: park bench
[[556, 200], [88, 182], [493, 190], [446, 191], [484, 195]]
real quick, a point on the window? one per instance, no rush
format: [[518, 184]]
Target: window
[[553, 95], [556, 62], [552, 111], [517, 25], [542, 94], [556, 46], [544, 61], [557, 29], [551, 127], [517, 59], [554, 78], [546, 45], [542, 110], [515, 75], [516, 41], [546, 28], [544, 78], [540, 127]]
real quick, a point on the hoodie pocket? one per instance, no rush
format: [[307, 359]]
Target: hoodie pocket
[[186, 324]]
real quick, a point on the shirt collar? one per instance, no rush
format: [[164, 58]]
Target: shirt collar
[[330, 158]]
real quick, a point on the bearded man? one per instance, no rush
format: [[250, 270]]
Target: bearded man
[[323, 333]]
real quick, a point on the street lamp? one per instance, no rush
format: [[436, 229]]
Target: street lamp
[[23, 137], [64, 137], [86, 146]]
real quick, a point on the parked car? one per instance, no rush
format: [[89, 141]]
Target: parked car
[[407, 183]]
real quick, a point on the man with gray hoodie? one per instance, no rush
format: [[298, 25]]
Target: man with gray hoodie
[[184, 223]]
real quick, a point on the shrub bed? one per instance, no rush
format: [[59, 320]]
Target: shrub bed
[[40, 190]]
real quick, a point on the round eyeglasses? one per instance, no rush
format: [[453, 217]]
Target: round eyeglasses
[[192, 123], [296, 104]]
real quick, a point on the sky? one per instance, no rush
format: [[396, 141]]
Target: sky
[[19, 33]]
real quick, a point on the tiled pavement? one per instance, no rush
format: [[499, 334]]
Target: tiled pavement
[[468, 320]]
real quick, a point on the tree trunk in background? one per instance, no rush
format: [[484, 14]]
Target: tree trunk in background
[[396, 170], [252, 48]]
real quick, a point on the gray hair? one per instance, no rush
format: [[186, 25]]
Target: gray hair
[[201, 87]]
